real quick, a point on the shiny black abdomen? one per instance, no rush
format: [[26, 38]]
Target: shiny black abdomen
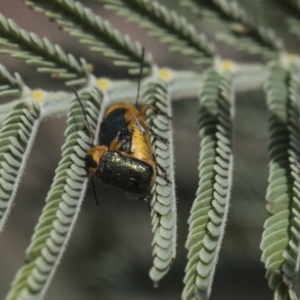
[[128, 173], [115, 125]]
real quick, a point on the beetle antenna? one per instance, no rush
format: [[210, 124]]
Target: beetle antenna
[[140, 77], [91, 137], [94, 190], [85, 115]]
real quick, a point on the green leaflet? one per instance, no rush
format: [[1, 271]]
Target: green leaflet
[[164, 219], [168, 26], [16, 139], [281, 240], [9, 85], [201, 11], [242, 30], [210, 208], [95, 32], [264, 36], [62, 204], [245, 44], [42, 53]]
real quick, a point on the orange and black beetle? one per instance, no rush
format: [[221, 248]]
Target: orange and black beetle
[[124, 157]]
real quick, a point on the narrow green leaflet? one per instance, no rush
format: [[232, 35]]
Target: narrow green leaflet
[[16, 139], [257, 38], [156, 93], [10, 85], [62, 204], [202, 11], [243, 31], [167, 25], [281, 239], [234, 11], [48, 58], [95, 32], [210, 208]]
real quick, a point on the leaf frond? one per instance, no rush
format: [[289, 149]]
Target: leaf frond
[[163, 202], [168, 26], [63, 203], [246, 33], [281, 240], [16, 139], [10, 85], [210, 208], [95, 32], [48, 58], [201, 11]]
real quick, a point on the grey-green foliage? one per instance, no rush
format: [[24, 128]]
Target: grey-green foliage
[[93, 31], [48, 58], [164, 218], [281, 239], [10, 85], [215, 90], [16, 137], [210, 208], [242, 29], [62, 203], [169, 27]]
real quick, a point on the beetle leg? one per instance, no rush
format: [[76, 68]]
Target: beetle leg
[[159, 137], [164, 174], [126, 139], [144, 126], [145, 107], [148, 200], [165, 177], [119, 142]]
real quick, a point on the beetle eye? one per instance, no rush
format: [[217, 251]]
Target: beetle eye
[[90, 162]]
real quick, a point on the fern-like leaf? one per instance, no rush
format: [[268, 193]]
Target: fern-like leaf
[[156, 93], [281, 241], [198, 10], [210, 208], [167, 25], [92, 30], [48, 58], [16, 139], [62, 204], [10, 85], [250, 36]]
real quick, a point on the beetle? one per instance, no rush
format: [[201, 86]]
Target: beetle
[[124, 157]]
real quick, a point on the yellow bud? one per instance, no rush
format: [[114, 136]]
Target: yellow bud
[[104, 84], [165, 74], [38, 95]]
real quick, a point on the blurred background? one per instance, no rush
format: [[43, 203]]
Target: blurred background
[[109, 254]]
